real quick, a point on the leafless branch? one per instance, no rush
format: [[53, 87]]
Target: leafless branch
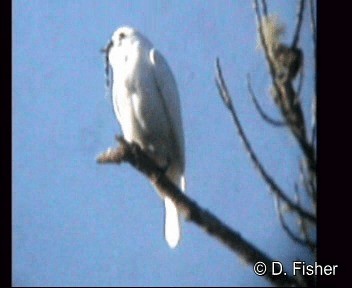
[[290, 233], [308, 182], [304, 225], [132, 154], [313, 25], [314, 33], [263, 41], [284, 63], [287, 99], [299, 24], [314, 122], [292, 110], [265, 8], [300, 83], [304, 229], [223, 91], [261, 112]]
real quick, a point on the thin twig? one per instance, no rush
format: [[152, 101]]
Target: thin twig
[[299, 24], [313, 23], [287, 229], [285, 91], [314, 33], [261, 112], [133, 154], [264, 44], [265, 8], [308, 182], [300, 83], [314, 121], [223, 91], [303, 226]]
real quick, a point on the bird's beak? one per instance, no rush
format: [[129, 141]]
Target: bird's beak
[[106, 50]]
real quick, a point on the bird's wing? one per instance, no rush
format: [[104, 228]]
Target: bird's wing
[[167, 86]]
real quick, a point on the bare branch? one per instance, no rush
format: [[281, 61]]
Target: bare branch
[[314, 121], [133, 154], [300, 83], [263, 41], [313, 25], [304, 226], [299, 24], [314, 33], [285, 94], [287, 229], [265, 8], [261, 112], [223, 91], [308, 182]]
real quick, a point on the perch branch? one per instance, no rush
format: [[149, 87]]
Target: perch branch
[[223, 91], [133, 154]]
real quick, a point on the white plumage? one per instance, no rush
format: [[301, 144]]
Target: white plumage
[[147, 106]]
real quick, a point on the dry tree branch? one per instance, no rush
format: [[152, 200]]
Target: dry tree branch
[[284, 63], [223, 91], [299, 24], [300, 84], [260, 110], [311, 244], [293, 113], [287, 100], [314, 122], [263, 41], [295, 41], [265, 8], [314, 34], [308, 183], [313, 25], [287, 229], [133, 154]]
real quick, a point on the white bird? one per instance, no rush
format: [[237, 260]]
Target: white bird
[[147, 105]]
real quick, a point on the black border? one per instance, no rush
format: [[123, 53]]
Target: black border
[[5, 138], [334, 114]]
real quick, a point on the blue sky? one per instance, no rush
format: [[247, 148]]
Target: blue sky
[[76, 223]]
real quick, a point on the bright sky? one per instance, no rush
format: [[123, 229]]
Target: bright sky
[[76, 223]]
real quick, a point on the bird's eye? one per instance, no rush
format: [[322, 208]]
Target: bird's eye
[[122, 35]]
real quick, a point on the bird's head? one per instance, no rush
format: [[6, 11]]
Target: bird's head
[[123, 40], [123, 33], [121, 44]]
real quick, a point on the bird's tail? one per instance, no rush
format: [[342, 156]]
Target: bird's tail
[[172, 220]]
